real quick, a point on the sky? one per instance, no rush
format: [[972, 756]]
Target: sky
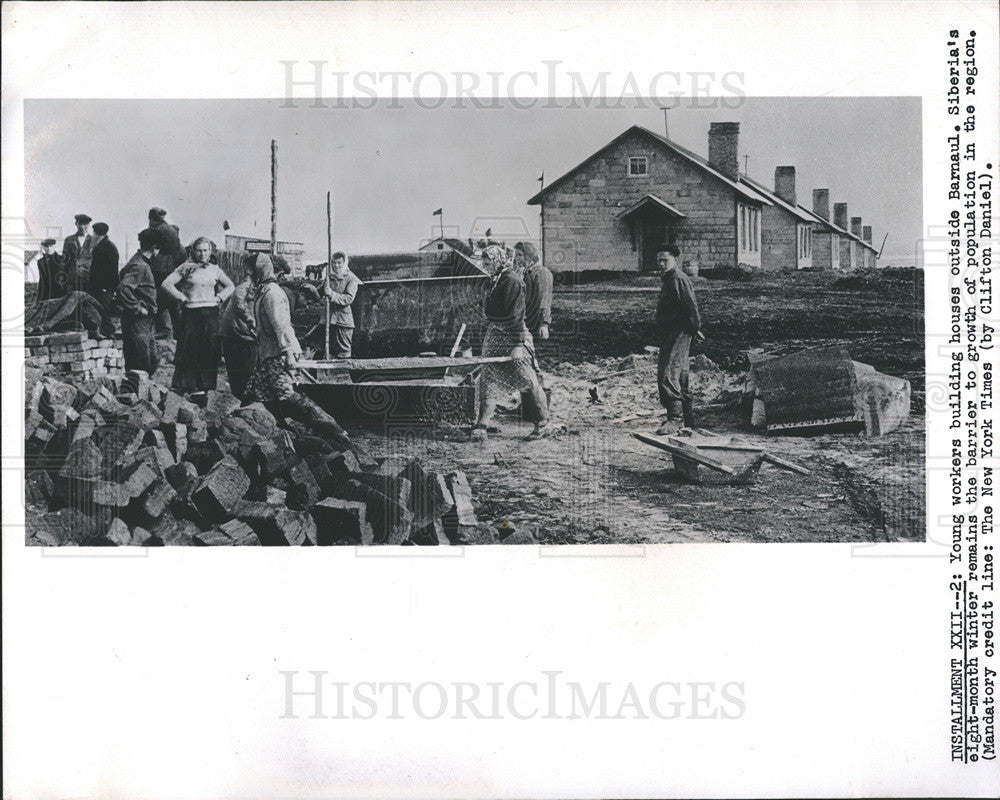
[[390, 167]]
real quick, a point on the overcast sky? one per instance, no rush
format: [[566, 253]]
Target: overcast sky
[[206, 161]]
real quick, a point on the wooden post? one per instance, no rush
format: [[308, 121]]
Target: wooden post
[[274, 198], [329, 266]]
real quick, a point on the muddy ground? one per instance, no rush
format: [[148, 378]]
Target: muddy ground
[[597, 483]]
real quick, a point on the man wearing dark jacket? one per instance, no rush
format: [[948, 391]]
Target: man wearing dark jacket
[[103, 274], [79, 246], [172, 254], [677, 323], [136, 297]]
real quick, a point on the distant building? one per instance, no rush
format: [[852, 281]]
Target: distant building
[[448, 243], [612, 210], [292, 252]]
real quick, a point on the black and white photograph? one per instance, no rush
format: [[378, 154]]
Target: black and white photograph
[[282, 325], [499, 399]]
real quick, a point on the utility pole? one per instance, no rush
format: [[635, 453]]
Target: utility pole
[[329, 266], [541, 214], [274, 198]]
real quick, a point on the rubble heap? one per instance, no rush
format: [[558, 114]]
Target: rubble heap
[[74, 354], [129, 462]]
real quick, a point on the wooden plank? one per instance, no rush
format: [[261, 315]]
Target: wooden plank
[[690, 453], [742, 448], [785, 464], [407, 362]]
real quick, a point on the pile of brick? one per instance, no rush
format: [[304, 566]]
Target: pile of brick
[[74, 354], [130, 462]]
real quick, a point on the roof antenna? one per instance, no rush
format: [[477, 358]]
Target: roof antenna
[[666, 126]]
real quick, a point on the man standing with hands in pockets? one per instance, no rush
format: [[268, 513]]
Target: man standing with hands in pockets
[[677, 323]]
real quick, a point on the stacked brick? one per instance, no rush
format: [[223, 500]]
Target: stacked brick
[[74, 354], [127, 462]]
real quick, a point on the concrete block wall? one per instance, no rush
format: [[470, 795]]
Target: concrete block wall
[[779, 240], [581, 231], [74, 355]]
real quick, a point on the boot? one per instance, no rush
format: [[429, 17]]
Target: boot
[[688, 413]]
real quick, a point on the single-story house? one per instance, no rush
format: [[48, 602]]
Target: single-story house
[[641, 189]]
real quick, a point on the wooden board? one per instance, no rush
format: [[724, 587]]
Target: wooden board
[[690, 453], [402, 363]]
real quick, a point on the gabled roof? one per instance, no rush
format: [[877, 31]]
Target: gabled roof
[[795, 210], [650, 199], [740, 187], [806, 215]]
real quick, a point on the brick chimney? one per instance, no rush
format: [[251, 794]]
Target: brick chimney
[[724, 148], [840, 215], [784, 184], [821, 203], [866, 233], [856, 226]]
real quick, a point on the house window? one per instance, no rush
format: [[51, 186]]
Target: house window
[[805, 241], [749, 229], [638, 165]]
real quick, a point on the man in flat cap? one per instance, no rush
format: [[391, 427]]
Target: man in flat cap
[[104, 274], [136, 297], [171, 255], [52, 273], [78, 247]]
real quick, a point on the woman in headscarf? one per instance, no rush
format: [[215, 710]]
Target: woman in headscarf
[[272, 381], [508, 335], [200, 287], [239, 337]]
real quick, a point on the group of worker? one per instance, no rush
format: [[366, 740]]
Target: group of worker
[[168, 290]]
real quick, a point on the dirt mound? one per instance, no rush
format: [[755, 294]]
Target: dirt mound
[[894, 277]]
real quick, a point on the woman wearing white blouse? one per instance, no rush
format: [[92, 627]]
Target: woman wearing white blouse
[[200, 287]]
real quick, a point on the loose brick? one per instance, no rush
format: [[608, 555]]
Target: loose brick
[[144, 414], [398, 489], [276, 526], [432, 533], [188, 412], [181, 476], [171, 532], [197, 431], [137, 380], [219, 405], [118, 442], [204, 455], [460, 522], [172, 403], [65, 526], [304, 491], [430, 496], [273, 457], [218, 492], [157, 498], [38, 488], [342, 522], [228, 534], [343, 462], [176, 436], [118, 533], [390, 521]]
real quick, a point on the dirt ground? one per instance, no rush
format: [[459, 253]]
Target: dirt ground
[[597, 483]]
